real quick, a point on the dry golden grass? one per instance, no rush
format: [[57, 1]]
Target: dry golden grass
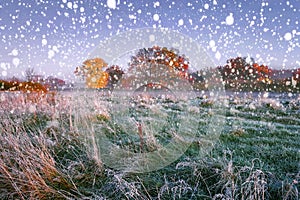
[[28, 168], [46, 152]]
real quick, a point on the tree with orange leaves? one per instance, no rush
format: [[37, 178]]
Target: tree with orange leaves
[[26, 86], [239, 69], [29, 86], [165, 56], [92, 71], [263, 73]]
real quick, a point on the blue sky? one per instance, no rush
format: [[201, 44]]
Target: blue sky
[[55, 36]]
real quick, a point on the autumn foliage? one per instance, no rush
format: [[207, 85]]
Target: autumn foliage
[[115, 73], [245, 69], [243, 74], [92, 71], [25, 86], [240, 73], [164, 56], [95, 74]]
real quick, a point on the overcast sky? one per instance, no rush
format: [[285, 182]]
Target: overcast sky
[[55, 36]]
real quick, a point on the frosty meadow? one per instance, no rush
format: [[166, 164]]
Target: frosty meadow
[[154, 135]]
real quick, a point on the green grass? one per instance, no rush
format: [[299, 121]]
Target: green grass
[[49, 154]]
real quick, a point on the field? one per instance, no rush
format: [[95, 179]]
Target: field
[[89, 145]]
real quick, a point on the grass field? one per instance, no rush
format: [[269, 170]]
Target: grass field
[[52, 150]]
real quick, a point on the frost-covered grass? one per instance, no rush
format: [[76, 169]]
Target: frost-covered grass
[[49, 150]]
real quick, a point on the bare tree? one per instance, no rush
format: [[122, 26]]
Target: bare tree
[[29, 72]]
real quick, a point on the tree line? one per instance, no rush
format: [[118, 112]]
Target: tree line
[[238, 74]]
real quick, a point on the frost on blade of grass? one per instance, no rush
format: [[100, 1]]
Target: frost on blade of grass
[[42, 156], [221, 179]]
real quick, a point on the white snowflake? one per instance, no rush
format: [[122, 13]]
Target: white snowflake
[[230, 19], [288, 36], [155, 17], [180, 22], [112, 4]]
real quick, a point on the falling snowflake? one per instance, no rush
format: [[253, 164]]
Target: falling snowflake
[[180, 22], [112, 4], [155, 17], [230, 19], [206, 6], [288, 36]]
